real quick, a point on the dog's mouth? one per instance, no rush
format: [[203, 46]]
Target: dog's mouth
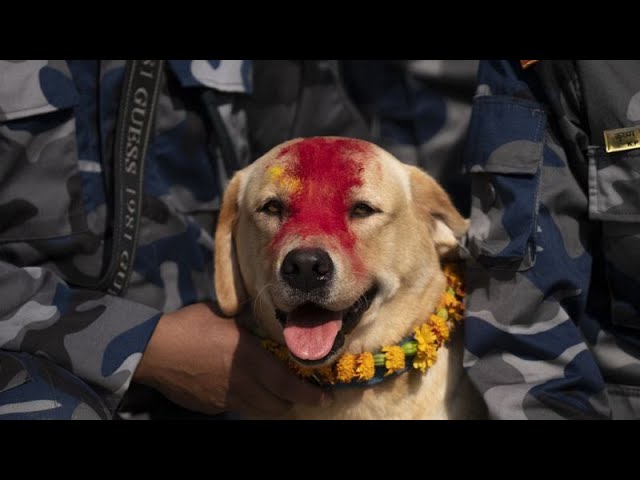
[[313, 333]]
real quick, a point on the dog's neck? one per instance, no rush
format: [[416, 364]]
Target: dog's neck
[[417, 351]]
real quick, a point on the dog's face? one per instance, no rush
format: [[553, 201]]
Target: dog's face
[[327, 236]]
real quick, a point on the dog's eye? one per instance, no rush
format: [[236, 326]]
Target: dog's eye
[[362, 210], [272, 207]]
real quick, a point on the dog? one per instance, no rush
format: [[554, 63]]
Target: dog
[[340, 247]]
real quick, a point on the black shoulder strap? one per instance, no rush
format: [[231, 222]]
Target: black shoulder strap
[[133, 131]]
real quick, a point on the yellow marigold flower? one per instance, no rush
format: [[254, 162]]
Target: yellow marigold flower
[[449, 300], [346, 368], [419, 363], [454, 278], [394, 358], [326, 374], [457, 315], [423, 360], [365, 369], [427, 348], [440, 327], [424, 336], [450, 271], [458, 312]]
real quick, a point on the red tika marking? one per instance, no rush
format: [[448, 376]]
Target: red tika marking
[[327, 170]]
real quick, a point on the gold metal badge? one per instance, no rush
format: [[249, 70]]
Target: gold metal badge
[[622, 139]]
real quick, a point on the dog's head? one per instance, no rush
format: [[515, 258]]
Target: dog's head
[[334, 240]]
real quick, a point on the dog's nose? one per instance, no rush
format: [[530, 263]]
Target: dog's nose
[[307, 268]]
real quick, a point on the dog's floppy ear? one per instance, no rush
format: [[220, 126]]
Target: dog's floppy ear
[[228, 279], [434, 204]]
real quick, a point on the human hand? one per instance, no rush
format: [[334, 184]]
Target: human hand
[[208, 364]]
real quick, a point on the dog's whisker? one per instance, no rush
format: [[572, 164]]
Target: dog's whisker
[[259, 297]]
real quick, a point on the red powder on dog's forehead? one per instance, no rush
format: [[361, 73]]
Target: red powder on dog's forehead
[[327, 169]]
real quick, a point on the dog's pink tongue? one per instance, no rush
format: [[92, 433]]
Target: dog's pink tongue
[[310, 331]]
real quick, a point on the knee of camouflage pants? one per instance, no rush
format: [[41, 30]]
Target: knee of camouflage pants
[[34, 388]]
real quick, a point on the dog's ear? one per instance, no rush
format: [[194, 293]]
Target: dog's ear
[[434, 204], [228, 279]]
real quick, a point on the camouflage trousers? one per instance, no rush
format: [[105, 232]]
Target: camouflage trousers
[[34, 388]]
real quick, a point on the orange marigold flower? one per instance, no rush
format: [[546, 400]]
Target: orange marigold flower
[[393, 358], [346, 368], [440, 327], [365, 368]]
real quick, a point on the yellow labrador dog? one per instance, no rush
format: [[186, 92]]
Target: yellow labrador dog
[[339, 245]]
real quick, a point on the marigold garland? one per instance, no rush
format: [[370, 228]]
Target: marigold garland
[[422, 347]]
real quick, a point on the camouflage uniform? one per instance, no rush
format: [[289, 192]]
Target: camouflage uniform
[[417, 109], [553, 306], [68, 352]]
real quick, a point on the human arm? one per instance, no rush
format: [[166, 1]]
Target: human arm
[[98, 337]]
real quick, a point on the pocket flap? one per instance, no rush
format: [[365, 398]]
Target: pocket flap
[[508, 136], [32, 87]]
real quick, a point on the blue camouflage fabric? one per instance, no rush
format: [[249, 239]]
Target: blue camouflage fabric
[[67, 351], [419, 111], [553, 311]]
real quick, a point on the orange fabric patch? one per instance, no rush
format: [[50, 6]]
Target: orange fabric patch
[[528, 63]]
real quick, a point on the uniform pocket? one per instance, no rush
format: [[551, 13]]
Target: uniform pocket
[[40, 186], [504, 158], [614, 198]]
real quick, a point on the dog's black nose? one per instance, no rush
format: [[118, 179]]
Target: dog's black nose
[[307, 268]]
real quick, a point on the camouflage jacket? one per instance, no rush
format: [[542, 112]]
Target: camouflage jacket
[[56, 135], [553, 311]]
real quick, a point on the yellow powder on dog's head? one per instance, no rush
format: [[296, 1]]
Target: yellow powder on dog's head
[[284, 178]]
